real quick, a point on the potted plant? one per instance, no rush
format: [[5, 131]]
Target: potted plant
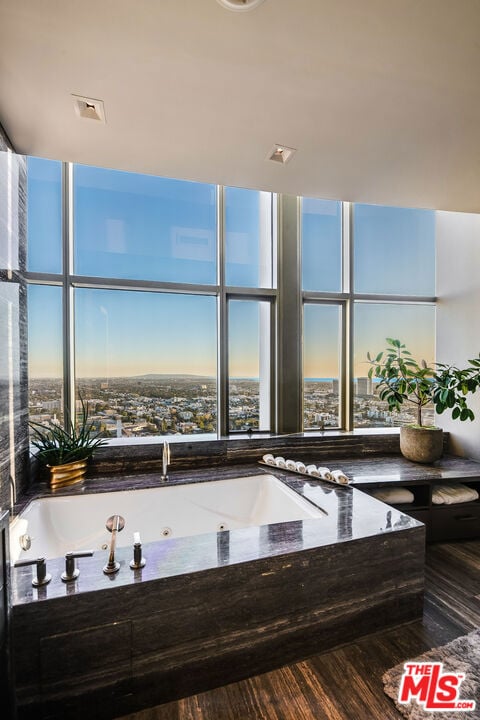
[[403, 379], [65, 451]]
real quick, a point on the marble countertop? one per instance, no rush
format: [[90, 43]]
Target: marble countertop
[[397, 469], [350, 515], [361, 471]]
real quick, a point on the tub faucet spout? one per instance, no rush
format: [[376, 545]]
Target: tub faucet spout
[[165, 460], [114, 524]]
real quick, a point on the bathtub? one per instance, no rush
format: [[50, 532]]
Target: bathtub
[[56, 525], [250, 576]]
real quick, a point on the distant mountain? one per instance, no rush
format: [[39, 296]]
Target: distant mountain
[[157, 377], [168, 376]]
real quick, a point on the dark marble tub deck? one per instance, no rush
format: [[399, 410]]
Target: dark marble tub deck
[[349, 515], [214, 608]]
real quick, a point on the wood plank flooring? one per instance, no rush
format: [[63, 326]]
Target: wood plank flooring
[[346, 684]]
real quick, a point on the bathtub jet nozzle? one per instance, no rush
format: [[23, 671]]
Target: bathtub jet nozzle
[[114, 524]]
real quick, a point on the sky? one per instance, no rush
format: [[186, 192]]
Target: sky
[[321, 347], [149, 228], [414, 325], [393, 253]]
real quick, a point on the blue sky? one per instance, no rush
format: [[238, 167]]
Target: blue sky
[[144, 227], [393, 250], [321, 245]]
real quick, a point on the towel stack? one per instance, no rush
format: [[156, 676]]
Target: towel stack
[[394, 495], [453, 494]]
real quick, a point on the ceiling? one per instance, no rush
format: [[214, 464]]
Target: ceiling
[[380, 97]]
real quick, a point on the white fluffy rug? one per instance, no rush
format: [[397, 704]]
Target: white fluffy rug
[[459, 656]]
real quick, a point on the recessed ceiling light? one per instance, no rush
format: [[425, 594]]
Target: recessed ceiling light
[[239, 5], [281, 154], [89, 108]]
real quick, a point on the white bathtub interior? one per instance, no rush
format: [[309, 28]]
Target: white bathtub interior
[[62, 524]]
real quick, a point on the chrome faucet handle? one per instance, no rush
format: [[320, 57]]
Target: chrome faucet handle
[[71, 572], [42, 577], [138, 561], [165, 460]]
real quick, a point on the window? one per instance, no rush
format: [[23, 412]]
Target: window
[[136, 324], [321, 245], [45, 353], [248, 234], [44, 215], [321, 365], [394, 250], [143, 227], [414, 325], [249, 365], [147, 361], [156, 300]]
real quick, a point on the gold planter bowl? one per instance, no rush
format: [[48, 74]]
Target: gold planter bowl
[[68, 474]]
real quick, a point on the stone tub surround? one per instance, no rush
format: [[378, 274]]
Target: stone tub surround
[[210, 609], [184, 554], [191, 455], [318, 447]]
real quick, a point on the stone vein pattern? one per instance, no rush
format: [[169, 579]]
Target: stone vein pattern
[[13, 334]]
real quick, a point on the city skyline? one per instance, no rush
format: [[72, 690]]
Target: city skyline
[[146, 406]]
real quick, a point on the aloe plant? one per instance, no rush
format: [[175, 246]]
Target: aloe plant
[[57, 445], [403, 379]]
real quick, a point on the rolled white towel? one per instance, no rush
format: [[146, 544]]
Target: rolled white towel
[[399, 495], [453, 494], [300, 466], [269, 459], [340, 477], [280, 462], [324, 473], [312, 470], [290, 464]]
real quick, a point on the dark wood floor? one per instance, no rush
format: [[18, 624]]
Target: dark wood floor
[[345, 684]]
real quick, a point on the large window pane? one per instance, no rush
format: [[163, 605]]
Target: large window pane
[[414, 325], [394, 250], [249, 365], [143, 227], [147, 361], [321, 245], [44, 215], [248, 228], [45, 353], [321, 365]]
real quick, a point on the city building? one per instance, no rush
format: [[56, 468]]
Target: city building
[[364, 386]]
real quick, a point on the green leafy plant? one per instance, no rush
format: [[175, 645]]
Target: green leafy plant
[[403, 379], [57, 445]]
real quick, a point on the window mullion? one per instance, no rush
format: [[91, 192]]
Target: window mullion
[[222, 320], [347, 380], [67, 272], [289, 314]]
